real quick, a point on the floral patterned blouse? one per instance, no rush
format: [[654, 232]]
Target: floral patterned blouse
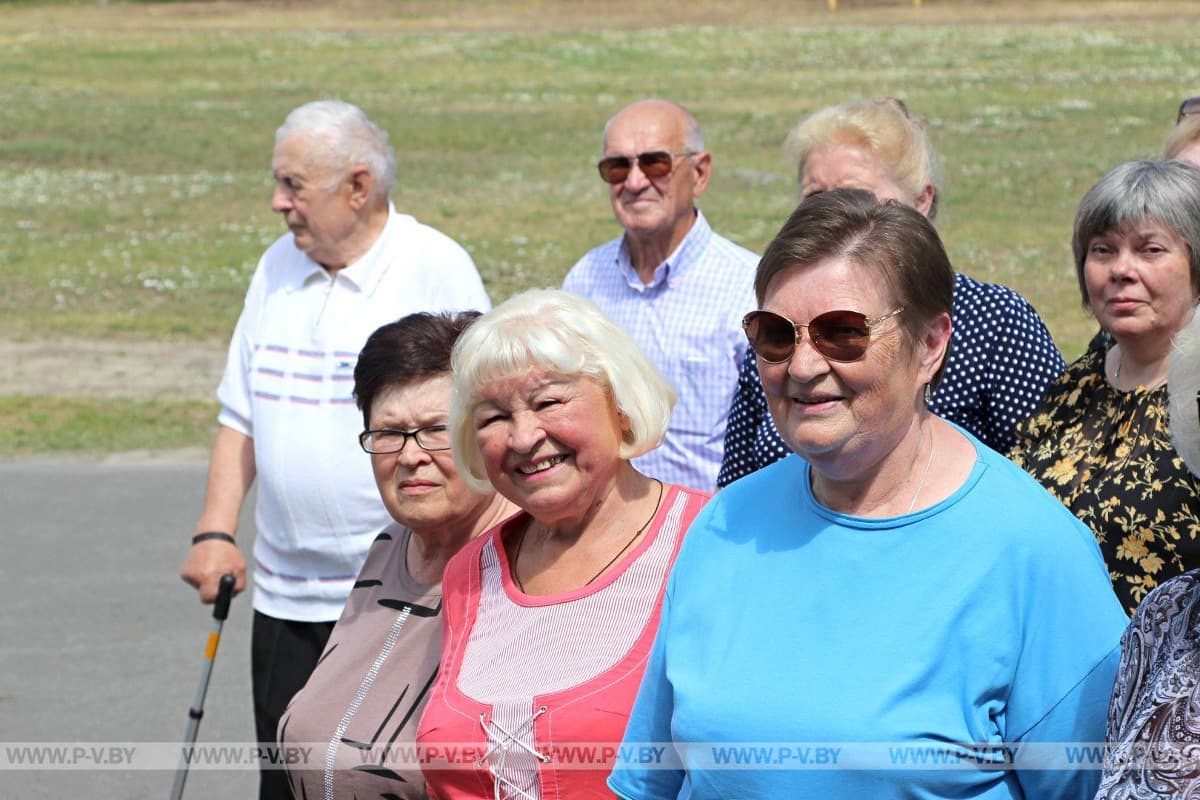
[[1107, 455], [1154, 718]]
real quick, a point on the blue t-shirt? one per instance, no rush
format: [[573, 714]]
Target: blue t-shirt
[[987, 618]]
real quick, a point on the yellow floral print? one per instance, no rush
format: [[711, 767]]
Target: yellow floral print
[[1107, 455]]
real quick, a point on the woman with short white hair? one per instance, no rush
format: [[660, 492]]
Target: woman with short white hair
[[550, 616]]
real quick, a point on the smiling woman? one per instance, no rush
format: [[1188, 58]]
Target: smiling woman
[[1002, 359], [550, 615], [861, 594], [1101, 442]]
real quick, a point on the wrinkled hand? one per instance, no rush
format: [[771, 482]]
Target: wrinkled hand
[[205, 564]]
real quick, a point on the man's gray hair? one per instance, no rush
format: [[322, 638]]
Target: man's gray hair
[[1166, 193], [693, 137], [343, 138]]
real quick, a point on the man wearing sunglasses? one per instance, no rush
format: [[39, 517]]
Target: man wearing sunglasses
[[677, 287]]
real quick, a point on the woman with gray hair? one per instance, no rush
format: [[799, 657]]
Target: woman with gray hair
[[1101, 442], [1003, 357], [550, 615], [1154, 720]]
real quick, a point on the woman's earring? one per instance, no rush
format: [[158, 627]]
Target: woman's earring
[[626, 427], [928, 394]]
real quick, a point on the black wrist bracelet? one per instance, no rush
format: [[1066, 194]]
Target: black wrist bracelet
[[203, 537]]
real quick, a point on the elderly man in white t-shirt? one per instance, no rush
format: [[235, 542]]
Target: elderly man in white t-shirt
[[349, 264]]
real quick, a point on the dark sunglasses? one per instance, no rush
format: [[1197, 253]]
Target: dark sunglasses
[[1187, 108], [654, 164], [837, 335]]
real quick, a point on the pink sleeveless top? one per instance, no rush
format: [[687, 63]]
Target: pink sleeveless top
[[534, 692]]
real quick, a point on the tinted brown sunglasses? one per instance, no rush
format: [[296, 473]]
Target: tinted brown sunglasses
[[837, 335], [654, 164]]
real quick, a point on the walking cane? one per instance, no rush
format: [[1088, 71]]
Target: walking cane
[[220, 612]]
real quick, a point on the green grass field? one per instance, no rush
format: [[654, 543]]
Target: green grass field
[[135, 140]]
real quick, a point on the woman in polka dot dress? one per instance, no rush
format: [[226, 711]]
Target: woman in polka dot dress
[[1001, 358]]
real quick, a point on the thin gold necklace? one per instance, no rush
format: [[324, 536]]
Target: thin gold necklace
[[611, 561], [1116, 381]]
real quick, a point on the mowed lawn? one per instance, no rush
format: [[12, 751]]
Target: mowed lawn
[[135, 140]]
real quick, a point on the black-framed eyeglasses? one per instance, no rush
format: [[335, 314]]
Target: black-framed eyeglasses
[[837, 335], [1188, 108], [389, 440], [654, 164]]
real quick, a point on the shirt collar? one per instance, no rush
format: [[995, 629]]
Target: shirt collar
[[677, 263], [365, 273]]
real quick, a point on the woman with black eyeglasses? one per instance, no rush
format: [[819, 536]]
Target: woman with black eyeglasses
[[898, 595], [361, 706]]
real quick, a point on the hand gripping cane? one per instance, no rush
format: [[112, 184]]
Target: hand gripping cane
[[220, 612]]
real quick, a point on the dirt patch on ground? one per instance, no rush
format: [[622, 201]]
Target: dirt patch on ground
[[372, 17], [138, 369]]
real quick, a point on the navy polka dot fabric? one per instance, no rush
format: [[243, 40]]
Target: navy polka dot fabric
[[1001, 361]]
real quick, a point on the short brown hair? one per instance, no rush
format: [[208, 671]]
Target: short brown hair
[[892, 239], [408, 350]]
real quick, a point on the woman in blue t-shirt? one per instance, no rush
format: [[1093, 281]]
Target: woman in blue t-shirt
[[899, 612]]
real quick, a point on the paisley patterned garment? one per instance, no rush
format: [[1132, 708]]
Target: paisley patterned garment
[[1107, 455], [1155, 710]]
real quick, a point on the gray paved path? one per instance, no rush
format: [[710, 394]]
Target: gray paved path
[[99, 639]]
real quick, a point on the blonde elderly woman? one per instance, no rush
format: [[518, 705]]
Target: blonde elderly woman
[[1154, 719], [1101, 443], [1003, 357], [550, 616], [899, 588]]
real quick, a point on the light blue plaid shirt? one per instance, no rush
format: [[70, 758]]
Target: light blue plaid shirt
[[688, 321]]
